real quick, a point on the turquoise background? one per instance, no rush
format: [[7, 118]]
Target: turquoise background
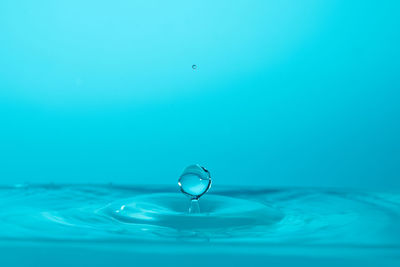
[[302, 93]]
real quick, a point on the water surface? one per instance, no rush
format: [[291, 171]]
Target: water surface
[[265, 218]]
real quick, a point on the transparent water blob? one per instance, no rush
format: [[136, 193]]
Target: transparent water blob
[[194, 66], [194, 182]]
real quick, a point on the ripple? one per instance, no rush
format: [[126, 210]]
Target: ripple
[[268, 216], [171, 210]]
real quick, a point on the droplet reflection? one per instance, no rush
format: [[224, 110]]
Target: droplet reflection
[[195, 181]]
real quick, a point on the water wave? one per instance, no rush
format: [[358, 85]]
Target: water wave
[[294, 216]]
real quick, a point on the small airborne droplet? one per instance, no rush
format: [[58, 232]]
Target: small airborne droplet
[[194, 66]]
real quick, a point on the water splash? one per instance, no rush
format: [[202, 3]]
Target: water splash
[[194, 182]]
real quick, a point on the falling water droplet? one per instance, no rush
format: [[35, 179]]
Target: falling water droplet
[[194, 66], [195, 181]]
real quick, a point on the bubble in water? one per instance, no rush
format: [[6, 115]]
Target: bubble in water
[[194, 66], [195, 181]]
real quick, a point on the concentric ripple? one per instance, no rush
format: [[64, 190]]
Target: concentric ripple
[[267, 216], [219, 213]]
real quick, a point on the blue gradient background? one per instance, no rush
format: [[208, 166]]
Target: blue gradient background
[[287, 93]]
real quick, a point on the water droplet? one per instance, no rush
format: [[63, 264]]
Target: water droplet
[[195, 181], [194, 66]]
